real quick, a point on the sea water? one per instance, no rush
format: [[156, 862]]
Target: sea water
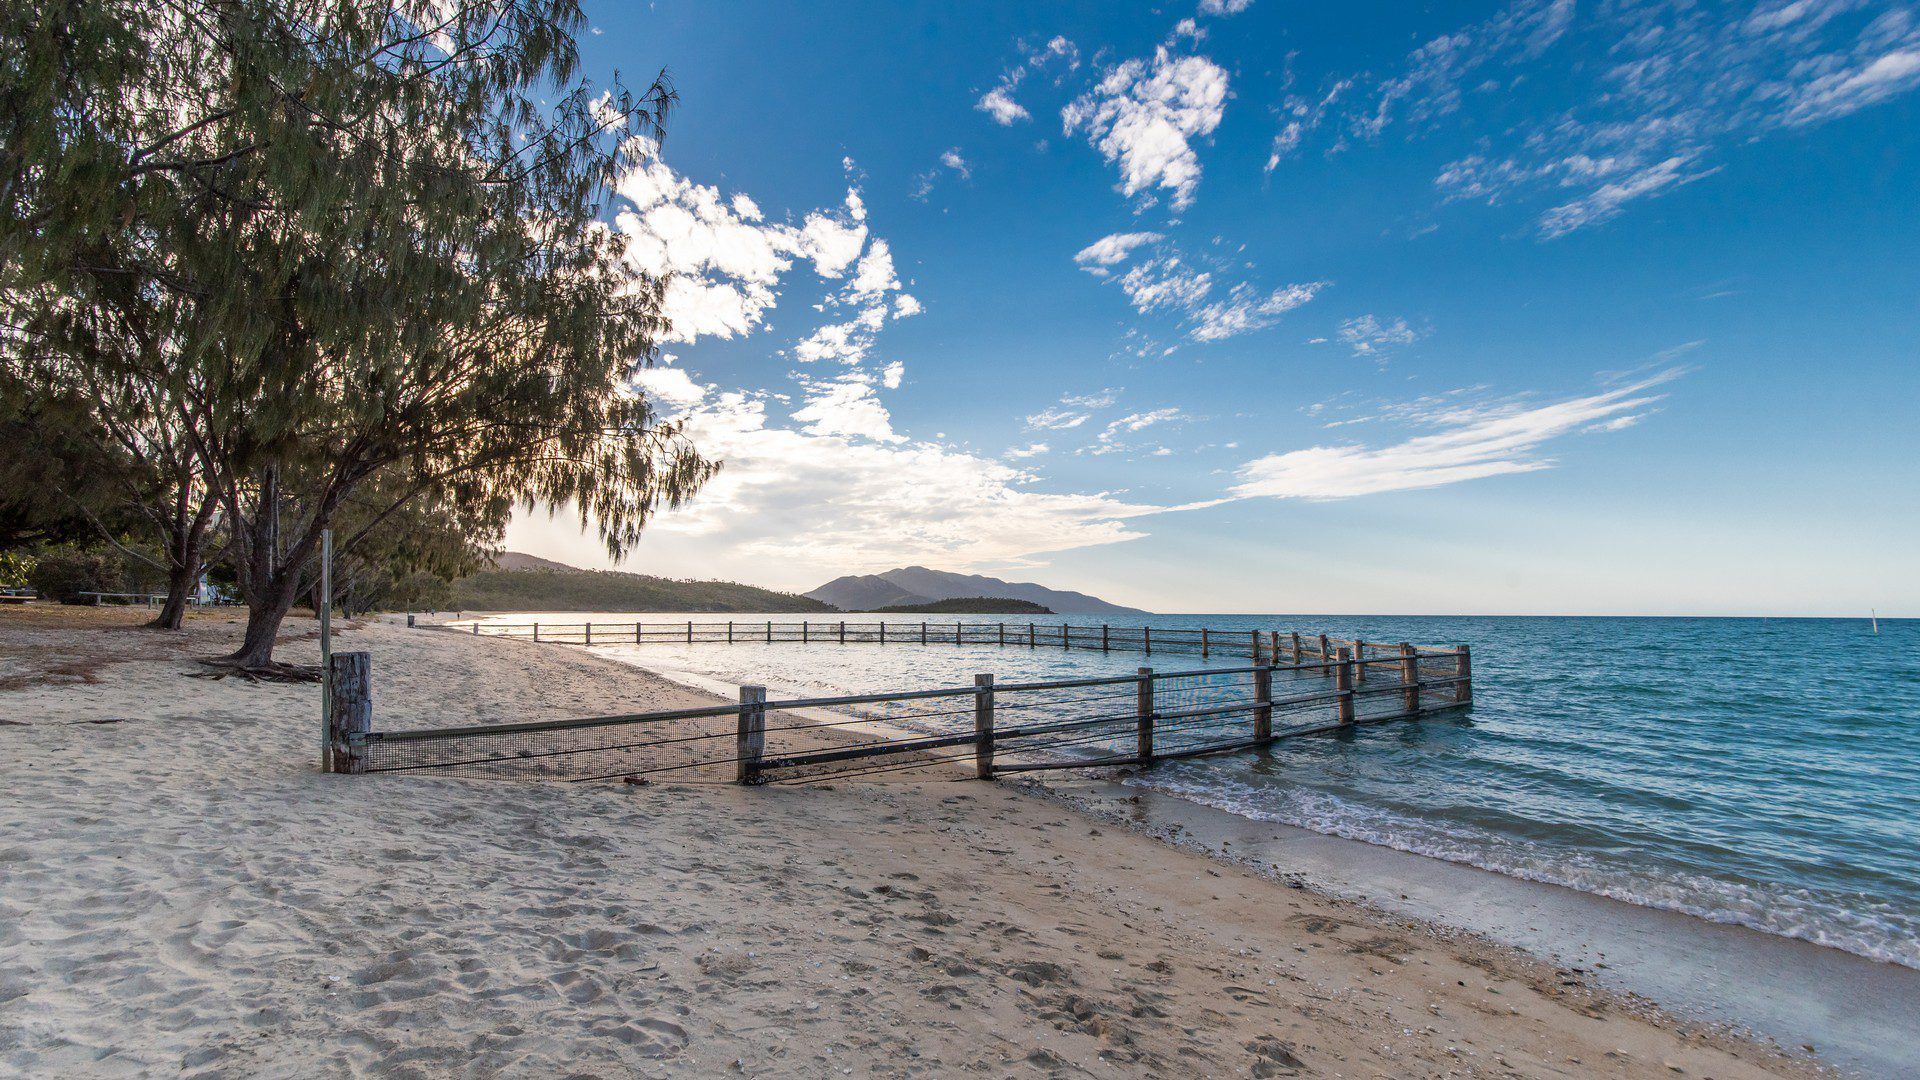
[[1762, 772]]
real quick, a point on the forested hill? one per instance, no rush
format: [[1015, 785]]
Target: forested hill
[[968, 605], [551, 586]]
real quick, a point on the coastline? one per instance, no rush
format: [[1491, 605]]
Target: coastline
[[1854, 1010], [184, 892]]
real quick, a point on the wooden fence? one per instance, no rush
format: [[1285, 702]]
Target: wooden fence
[[1258, 646], [983, 729]]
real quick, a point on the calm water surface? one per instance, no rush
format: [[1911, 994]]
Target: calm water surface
[[1751, 771]]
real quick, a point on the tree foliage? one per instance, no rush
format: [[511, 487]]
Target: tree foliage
[[344, 255]]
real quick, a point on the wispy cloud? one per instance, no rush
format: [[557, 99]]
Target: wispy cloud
[[1473, 443], [1646, 94], [1371, 335], [1164, 279], [1224, 7], [998, 102], [1144, 115]]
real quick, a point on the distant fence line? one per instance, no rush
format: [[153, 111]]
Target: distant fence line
[[1270, 646], [1101, 722]]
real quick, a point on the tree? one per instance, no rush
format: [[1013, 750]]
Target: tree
[[350, 244]]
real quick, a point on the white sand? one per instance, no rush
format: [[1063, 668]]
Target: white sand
[[182, 894]]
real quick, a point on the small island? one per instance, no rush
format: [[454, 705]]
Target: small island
[[967, 605]]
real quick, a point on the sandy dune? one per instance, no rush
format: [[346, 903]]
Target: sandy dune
[[181, 893]]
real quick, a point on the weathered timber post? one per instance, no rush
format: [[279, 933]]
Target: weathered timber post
[[1253, 650], [1203, 643], [923, 633], [1360, 657], [1143, 708], [843, 631], [589, 635], [1296, 645], [769, 631], [536, 631], [1030, 643], [1410, 679], [803, 631], [729, 631], [1146, 639], [1463, 670], [983, 727], [1263, 703], [750, 738], [1325, 654], [350, 688], [639, 632], [476, 628], [1273, 646], [1066, 635], [883, 631], [689, 631], [1003, 633], [410, 622], [1343, 682], [1104, 647]]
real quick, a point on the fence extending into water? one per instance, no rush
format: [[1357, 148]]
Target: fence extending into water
[[1294, 686], [1270, 646]]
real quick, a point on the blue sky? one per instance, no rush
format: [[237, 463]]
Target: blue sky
[[1554, 307]]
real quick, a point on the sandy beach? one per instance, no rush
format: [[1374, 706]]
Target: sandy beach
[[183, 893]]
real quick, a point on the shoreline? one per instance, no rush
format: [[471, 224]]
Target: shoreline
[[1853, 1010], [182, 891]]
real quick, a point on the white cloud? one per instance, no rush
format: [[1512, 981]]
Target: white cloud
[[1143, 116], [1224, 7], [725, 262], [952, 160], [670, 385], [1475, 443], [1109, 250], [999, 104], [1057, 419], [1246, 309], [1029, 451], [1370, 335], [1643, 96], [812, 498], [1165, 281]]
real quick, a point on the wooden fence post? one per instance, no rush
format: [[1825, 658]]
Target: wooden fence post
[[803, 631], [1296, 645], [639, 632], [1410, 678], [689, 631], [729, 631], [883, 631], [476, 628], [1003, 633], [923, 633], [1263, 703], [769, 631], [983, 727], [409, 620], [751, 738], [1359, 656], [1143, 708], [843, 631], [1343, 682], [536, 631], [1030, 636], [1146, 640], [1463, 669], [350, 687], [1273, 646], [1104, 647], [1325, 653], [1203, 643], [589, 635]]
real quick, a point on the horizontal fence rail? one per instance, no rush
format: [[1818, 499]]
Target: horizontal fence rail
[[983, 730], [1271, 646]]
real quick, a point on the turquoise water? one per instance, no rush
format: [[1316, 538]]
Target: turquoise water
[[1750, 771]]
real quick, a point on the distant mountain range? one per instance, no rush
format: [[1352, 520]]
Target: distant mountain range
[[919, 585], [520, 582]]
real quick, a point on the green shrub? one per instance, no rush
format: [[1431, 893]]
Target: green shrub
[[64, 575]]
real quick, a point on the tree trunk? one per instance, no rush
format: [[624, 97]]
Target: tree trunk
[[186, 556], [182, 579], [267, 607]]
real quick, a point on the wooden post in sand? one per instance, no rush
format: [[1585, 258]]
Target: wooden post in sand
[[410, 623], [1410, 679], [983, 727], [350, 689], [1343, 682], [843, 631], [751, 738], [1263, 703], [588, 634], [1143, 708]]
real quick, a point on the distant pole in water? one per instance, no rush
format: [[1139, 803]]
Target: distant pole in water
[[1875, 616]]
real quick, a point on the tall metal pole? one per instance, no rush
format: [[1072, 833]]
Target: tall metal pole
[[326, 649]]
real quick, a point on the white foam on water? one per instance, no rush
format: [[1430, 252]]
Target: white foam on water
[[1878, 932]]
